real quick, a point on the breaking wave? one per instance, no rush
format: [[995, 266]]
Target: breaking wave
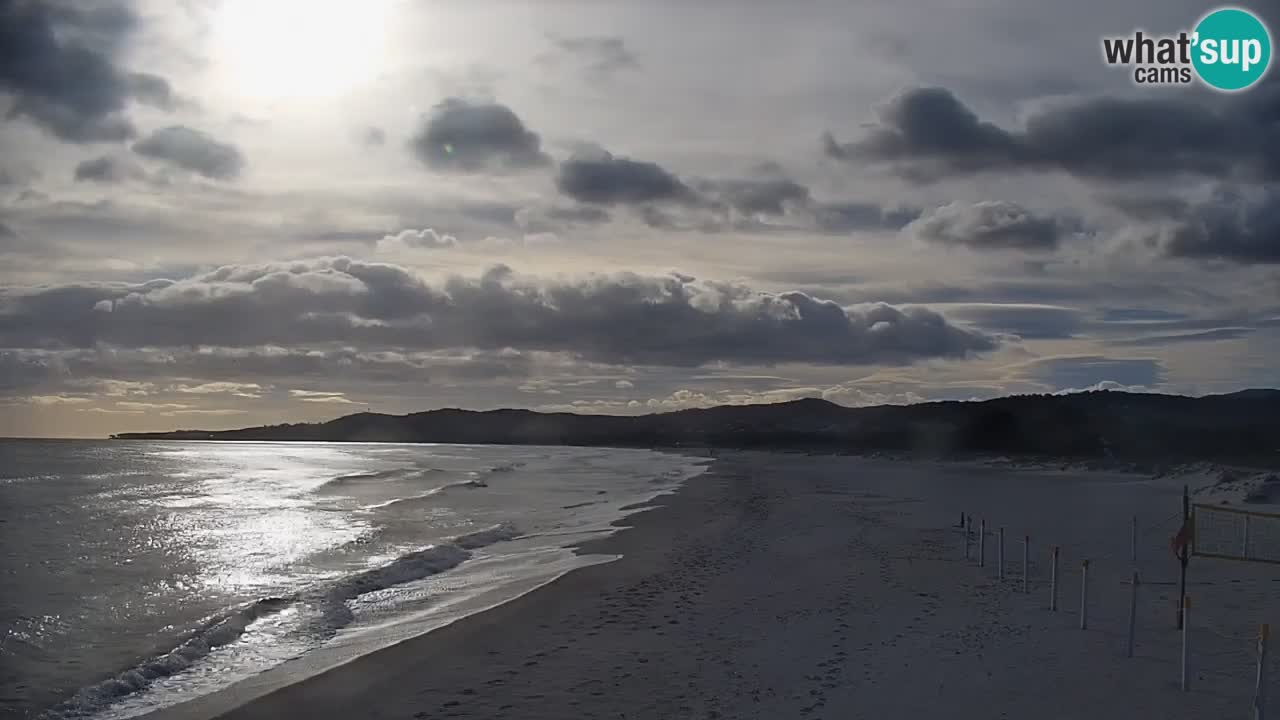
[[392, 474], [214, 633], [330, 599], [475, 483]]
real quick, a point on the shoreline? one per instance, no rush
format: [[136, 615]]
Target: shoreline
[[241, 697]]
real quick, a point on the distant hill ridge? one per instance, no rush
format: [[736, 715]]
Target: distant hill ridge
[[1238, 426]]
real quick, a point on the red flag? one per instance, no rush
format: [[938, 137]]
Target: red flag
[[1182, 538]]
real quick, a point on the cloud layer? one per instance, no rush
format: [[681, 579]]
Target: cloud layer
[[622, 319]]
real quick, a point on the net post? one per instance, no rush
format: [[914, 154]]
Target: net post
[[1184, 557], [1053, 581], [1000, 572], [1186, 605], [1133, 540], [1260, 684], [1133, 612], [1084, 595], [1244, 546], [1026, 564], [982, 543]]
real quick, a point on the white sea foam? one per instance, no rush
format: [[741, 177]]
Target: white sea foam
[[349, 549]]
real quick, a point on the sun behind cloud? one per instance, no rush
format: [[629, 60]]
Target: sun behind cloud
[[299, 49]]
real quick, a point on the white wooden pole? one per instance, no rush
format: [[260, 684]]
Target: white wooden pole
[[1084, 595], [1053, 581], [1260, 685], [1186, 605], [1133, 612]]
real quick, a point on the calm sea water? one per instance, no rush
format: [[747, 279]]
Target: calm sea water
[[139, 574]]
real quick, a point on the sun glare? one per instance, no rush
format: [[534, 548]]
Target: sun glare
[[296, 49]]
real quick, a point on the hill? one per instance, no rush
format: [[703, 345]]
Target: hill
[[1243, 426]]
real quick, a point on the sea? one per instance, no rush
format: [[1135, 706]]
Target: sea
[[138, 575]]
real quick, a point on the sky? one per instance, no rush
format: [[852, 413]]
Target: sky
[[223, 213]]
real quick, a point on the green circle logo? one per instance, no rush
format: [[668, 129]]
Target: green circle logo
[[1231, 49]]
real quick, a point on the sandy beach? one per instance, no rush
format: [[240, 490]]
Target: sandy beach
[[787, 586]]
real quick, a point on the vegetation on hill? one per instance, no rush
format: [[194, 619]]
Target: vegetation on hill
[[1107, 424]]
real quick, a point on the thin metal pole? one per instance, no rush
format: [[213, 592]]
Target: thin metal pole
[[968, 529], [1084, 595], [1133, 541], [982, 543], [1184, 556], [1186, 605], [1133, 612], [1026, 564], [1053, 581], [1001, 554], [1260, 685], [1244, 549]]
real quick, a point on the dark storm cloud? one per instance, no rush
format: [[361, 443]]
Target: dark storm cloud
[[1237, 226], [464, 136], [932, 134], [927, 134], [600, 177], [192, 150], [622, 318], [599, 57], [57, 62], [1215, 234], [1237, 223], [990, 225], [108, 169]]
